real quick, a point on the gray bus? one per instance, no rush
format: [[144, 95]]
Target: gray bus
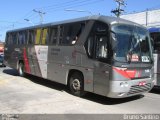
[[104, 55], [155, 35]]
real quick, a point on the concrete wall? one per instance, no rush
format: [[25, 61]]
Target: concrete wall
[[150, 18]]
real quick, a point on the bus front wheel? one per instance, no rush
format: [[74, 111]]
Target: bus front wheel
[[76, 84], [21, 69]]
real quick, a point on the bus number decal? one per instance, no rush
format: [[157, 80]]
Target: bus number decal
[[145, 59]]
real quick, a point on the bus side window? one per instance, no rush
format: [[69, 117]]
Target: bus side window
[[71, 33], [22, 38], [14, 38], [10, 41], [77, 32], [64, 35], [38, 36], [7, 39], [89, 45], [60, 34], [25, 36], [45, 36], [31, 37], [53, 35]]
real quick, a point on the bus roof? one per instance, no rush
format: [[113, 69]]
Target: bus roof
[[154, 29], [106, 19]]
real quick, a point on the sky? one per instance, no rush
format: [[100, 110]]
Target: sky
[[15, 13]]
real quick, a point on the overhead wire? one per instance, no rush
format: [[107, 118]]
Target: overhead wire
[[53, 8], [59, 4], [77, 4], [31, 14]]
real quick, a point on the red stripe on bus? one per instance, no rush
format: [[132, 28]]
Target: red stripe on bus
[[140, 73], [26, 61], [126, 73]]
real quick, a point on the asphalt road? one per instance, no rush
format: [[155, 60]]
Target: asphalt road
[[33, 95]]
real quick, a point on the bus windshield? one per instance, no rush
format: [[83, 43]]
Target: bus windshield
[[131, 44]]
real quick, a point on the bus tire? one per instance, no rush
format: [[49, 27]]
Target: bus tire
[[21, 69], [76, 84]]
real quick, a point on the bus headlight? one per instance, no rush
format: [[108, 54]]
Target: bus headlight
[[124, 84]]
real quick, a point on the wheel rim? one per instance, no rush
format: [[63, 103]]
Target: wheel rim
[[76, 84]]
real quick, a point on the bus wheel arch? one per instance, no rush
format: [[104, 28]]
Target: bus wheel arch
[[76, 83], [21, 68]]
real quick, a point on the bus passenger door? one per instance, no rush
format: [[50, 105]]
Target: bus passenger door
[[101, 68], [97, 48]]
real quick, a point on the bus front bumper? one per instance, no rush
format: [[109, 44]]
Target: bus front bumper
[[122, 89]]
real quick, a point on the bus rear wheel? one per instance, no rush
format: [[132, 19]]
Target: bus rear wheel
[[21, 69], [76, 85]]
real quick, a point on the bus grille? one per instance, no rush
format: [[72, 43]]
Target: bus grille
[[138, 89]]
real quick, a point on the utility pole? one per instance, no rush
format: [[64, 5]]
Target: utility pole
[[40, 14], [118, 10], [147, 17]]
